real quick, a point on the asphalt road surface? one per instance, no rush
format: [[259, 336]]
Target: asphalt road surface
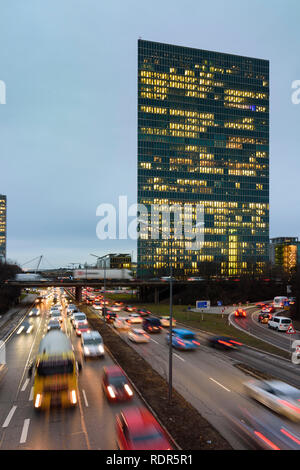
[[91, 425]]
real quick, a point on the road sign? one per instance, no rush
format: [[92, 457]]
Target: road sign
[[291, 330], [203, 304]]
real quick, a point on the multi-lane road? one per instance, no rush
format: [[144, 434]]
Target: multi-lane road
[[251, 326], [91, 425], [211, 381], [207, 378]]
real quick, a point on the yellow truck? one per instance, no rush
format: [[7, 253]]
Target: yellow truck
[[55, 372]]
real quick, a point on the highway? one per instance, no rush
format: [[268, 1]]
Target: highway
[[91, 425], [209, 380], [251, 325]]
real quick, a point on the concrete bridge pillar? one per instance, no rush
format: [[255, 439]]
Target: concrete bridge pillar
[[78, 294]]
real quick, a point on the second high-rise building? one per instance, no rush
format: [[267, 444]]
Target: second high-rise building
[[203, 137]]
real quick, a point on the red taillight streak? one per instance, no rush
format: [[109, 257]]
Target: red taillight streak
[[290, 436], [236, 342], [196, 342], [293, 407], [224, 342], [266, 440]]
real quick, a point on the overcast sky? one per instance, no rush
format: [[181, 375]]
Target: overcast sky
[[68, 130]]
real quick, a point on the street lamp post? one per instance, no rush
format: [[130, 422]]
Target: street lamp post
[[171, 321]]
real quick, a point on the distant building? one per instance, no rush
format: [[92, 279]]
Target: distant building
[[2, 228], [115, 261], [285, 252]]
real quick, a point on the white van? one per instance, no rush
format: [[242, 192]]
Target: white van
[[279, 323]]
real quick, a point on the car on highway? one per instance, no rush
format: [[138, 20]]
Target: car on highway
[[121, 324], [137, 429], [56, 315], [129, 308], [240, 313], [260, 304], [78, 317], [116, 385], [110, 316], [279, 323], [25, 327], [223, 342], [134, 318], [152, 325], [115, 308], [82, 327], [268, 309], [53, 324], [92, 344], [97, 305], [264, 317], [184, 339], [165, 321], [138, 336], [276, 395], [143, 312], [35, 312]]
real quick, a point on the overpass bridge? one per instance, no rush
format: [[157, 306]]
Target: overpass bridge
[[144, 287]]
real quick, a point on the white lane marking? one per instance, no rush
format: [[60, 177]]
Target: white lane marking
[[85, 399], [24, 431], [179, 357], [25, 385], [9, 416], [210, 378], [154, 341], [31, 394]]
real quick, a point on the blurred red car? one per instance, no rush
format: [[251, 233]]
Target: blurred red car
[[82, 327], [116, 384], [268, 309], [260, 304], [137, 429], [240, 313]]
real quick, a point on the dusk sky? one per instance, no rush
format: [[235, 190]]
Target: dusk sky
[[69, 125]]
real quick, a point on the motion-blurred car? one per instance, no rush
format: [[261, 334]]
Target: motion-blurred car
[[82, 327], [264, 318], [152, 325], [240, 312], [78, 317], [56, 315], [121, 324], [260, 304], [129, 308], [110, 316], [223, 342], [276, 395], [25, 327], [165, 321], [115, 308], [97, 305], [92, 344], [268, 309], [115, 384], [35, 312], [138, 336], [134, 318], [54, 324], [143, 312], [137, 429], [184, 339]]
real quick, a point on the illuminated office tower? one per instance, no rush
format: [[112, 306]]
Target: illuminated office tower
[[203, 138], [285, 252], [2, 228]]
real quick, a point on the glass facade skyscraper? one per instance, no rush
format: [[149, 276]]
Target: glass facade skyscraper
[[2, 228], [203, 137]]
